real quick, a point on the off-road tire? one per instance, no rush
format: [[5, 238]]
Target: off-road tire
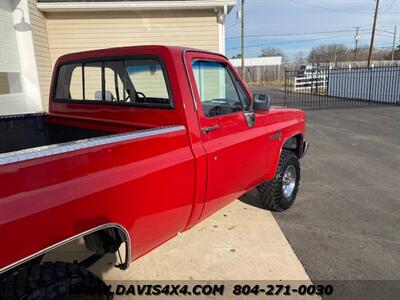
[[53, 281], [271, 192]]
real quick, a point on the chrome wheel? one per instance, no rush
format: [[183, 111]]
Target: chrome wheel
[[289, 181]]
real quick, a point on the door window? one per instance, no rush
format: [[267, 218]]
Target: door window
[[216, 88]]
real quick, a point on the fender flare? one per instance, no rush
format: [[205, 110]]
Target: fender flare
[[298, 146], [274, 167]]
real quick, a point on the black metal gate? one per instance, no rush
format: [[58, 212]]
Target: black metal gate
[[321, 88]]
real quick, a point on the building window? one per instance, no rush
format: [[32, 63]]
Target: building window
[[10, 83]]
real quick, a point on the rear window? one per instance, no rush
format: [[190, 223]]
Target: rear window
[[137, 82]]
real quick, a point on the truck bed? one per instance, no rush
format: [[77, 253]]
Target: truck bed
[[28, 131]]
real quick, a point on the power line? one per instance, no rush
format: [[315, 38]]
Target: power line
[[299, 41], [386, 31], [388, 7], [326, 8], [294, 34], [233, 25], [382, 32], [392, 13], [290, 42]]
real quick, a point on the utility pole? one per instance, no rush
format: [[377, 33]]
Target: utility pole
[[356, 38], [394, 42], [371, 45], [242, 38], [335, 55]]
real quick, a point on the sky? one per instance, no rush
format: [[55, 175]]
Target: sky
[[299, 25]]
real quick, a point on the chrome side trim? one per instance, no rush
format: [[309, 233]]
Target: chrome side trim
[[5, 117], [38, 152], [77, 236]]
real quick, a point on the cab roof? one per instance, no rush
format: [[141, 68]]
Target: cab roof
[[129, 51]]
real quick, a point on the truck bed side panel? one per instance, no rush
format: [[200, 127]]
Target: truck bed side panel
[[146, 185]]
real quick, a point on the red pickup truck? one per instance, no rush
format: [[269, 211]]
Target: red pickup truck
[[139, 144]]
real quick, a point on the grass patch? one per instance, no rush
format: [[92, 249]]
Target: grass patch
[[277, 84]]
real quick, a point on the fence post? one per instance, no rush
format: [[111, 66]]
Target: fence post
[[285, 89], [398, 92], [370, 83], [279, 72], [328, 71]]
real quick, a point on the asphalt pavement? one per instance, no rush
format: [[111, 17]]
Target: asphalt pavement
[[345, 223]]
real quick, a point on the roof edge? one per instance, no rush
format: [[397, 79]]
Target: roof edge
[[134, 5]]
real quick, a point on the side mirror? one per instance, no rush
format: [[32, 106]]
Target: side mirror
[[261, 102]]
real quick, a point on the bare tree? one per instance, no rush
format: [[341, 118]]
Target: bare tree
[[237, 56], [397, 53], [300, 58], [328, 53], [271, 51], [331, 53]]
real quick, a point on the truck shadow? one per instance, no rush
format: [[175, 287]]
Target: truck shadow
[[252, 198], [76, 251]]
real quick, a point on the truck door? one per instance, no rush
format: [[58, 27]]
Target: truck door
[[236, 153]]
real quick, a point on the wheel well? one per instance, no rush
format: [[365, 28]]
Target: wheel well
[[101, 240], [107, 240], [294, 144]]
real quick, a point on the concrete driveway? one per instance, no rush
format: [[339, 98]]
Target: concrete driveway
[[240, 242]]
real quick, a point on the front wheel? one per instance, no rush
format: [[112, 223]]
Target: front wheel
[[280, 193]]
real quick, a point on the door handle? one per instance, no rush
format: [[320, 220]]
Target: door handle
[[211, 128]]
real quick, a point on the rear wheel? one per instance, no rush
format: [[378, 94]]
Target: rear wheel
[[53, 281], [280, 193]]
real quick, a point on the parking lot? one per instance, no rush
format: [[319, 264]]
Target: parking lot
[[345, 223]]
